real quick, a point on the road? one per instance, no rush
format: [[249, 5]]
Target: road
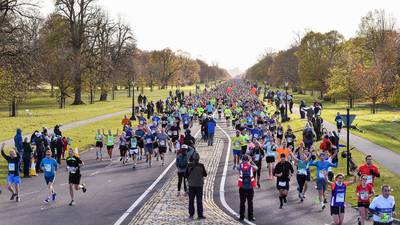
[[266, 200]]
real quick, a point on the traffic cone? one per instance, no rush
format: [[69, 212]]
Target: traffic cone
[[32, 170]]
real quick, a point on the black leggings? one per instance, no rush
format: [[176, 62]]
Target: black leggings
[[181, 177], [301, 180]]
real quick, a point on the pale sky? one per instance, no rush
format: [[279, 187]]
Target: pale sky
[[234, 33]]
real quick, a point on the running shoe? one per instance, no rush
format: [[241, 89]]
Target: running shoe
[[46, 201], [84, 188], [72, 203], [53, 196], [12, 197]]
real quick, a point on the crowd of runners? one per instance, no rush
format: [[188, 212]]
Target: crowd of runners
[[260, 134]]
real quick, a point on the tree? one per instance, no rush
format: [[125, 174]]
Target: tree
[[55, 54], [370, 80], [285, 68], [317, 54], [169, 62], [382, 41], [343, 81], [79, 13]]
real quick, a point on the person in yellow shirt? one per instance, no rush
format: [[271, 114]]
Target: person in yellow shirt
[[237, 147]]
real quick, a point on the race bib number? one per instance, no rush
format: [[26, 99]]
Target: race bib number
[[141, 122], [321, 173], [282, 183], [133, 151], [47, 167], [175, 132], [289, 140], [302, 171], [364, 195], [340, 197], [72, 169], [369, 179], [280, 132], [133, 144], [148, 141], [256, 135], [237, 144], [11, 167], [162, 143], [169, 133], [257, 157], [339, 121]]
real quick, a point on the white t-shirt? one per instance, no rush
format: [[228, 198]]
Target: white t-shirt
[[383, 205]]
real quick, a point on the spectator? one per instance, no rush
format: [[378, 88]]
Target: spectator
[[211, 130], [195, 174]]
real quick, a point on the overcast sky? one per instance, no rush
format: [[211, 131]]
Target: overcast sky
[[234, 33]]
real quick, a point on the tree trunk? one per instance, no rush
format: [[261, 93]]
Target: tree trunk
[[137, 88], [129, 91], [52, 89], [373, 106], [103, 95], [113, 92], [321, 95], [151, 86], [91, 96], [13, 108], [141, 89], [351, 103], [77, 77], [312, 93]]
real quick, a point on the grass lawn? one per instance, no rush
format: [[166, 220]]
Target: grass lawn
[[387, 176], [45, 111], [382, 128]]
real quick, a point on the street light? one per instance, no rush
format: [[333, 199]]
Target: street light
[[133, 101], [286, 99]]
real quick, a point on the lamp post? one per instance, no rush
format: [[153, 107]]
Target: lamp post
[[133, 101], [286, 98], [348, 140]]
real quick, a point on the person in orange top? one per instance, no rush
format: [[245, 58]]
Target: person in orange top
[[369, 169], [283, 149], [125, 121]]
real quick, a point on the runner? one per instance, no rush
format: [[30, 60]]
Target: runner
[[270, 149], [301, 176], [322, 167], [257, 155], [13, 178], [369, 169], [339, 122], [338, 198], [383, 207], [133, 150], [283, 171], [73, 167], [110, 142], [162, 140], [228, 115], [148, 147], [49, 166], [123, 148], [99, 145], [237, 144], [364, 193]]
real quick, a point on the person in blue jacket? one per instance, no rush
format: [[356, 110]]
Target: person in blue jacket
[[211, 130], [18, 141]]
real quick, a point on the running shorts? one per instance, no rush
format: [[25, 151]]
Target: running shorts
[[99, 144], [237, 152], [110, 147], [282, 185], [12, 179], [335, 210], [49, 179], [270, 159], [162, 150], [74, 178]]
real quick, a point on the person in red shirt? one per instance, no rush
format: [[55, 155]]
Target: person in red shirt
[[326, 144], [364, 193], [369, 169]]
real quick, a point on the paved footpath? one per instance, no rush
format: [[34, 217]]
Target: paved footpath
[[164, 207]]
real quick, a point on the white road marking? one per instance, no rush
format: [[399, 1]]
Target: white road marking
[[94, 173], [148, 190], [223, 179]]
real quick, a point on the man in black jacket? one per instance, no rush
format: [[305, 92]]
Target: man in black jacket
[[195, 174]]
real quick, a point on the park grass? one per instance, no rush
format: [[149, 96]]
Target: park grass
[[45, 111], [382, 128], [387, 177], [83, 137]]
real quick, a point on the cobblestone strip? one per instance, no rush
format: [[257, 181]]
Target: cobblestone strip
[[165, 207]]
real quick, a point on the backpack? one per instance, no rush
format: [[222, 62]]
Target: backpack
[[246, 179], [181, 161]]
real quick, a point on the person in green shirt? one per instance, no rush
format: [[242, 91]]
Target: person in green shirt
[[99, 145], [228, 114], [237, 147], [244, 141], [110, 139]]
